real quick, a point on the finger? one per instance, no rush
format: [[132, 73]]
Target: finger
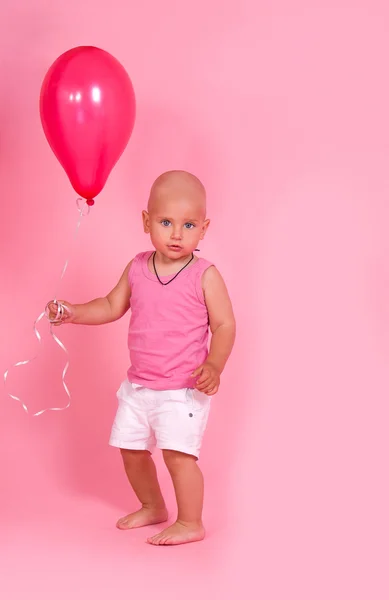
[[213, 391], [209, 384], [55, 304], [57, 313], [198, 371], [206, 376], [207, 388], [203, 379]]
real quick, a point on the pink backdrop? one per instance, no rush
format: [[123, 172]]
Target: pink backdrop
[[282, 109]]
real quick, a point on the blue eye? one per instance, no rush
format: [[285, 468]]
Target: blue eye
[[165, 223], [188, 225]]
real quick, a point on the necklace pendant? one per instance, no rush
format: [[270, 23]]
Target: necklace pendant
[[164, 284]]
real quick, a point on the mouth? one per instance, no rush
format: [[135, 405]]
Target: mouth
[[175, 247]]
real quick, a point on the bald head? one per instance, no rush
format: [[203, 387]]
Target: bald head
[[177, 187], [176, 214]]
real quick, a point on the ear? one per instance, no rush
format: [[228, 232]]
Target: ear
[[146, 221], [204, 228]]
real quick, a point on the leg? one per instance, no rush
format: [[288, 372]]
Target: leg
[[189, 488], [142, 475]]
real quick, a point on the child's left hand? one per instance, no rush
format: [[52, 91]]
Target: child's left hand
[[208, 379]]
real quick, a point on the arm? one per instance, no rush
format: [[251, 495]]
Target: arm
[[222, 325], [101, 310]]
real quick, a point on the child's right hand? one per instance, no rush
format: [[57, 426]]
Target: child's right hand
[[68, 313]]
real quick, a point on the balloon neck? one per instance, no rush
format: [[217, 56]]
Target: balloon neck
[[90, 202]]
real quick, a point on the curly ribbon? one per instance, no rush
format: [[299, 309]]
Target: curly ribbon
[[83, 208]]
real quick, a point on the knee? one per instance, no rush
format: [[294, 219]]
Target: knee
[[133, 456], [177, 460]]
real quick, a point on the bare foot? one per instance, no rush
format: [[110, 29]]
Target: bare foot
[[178, 534], [143, 517]]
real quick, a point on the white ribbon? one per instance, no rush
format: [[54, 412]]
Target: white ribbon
[[83, 209]]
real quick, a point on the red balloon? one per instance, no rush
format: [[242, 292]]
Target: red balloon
[[87, 108]]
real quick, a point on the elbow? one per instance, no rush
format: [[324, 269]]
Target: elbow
[[227, 327], [116, 312]]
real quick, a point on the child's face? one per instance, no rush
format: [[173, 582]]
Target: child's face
[[176, 222]]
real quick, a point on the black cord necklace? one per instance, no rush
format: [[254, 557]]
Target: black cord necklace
[[176, 275]]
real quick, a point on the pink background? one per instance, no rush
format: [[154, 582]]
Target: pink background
[[282, 109]]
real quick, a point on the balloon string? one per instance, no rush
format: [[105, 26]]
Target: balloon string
[[84, 210]]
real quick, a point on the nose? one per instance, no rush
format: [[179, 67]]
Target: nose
[[177, 234]]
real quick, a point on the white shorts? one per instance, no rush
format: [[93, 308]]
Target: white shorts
[[169, 420]]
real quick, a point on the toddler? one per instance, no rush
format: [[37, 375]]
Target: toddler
[[164, 402]]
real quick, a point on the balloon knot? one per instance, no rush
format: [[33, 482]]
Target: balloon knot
[[90, 202]]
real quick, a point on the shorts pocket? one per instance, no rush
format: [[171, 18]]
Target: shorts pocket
[[200, 398], [198, 404]]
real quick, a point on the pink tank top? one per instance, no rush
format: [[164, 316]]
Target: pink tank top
[[168, 333]]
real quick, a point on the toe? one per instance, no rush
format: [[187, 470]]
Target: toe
[[159, 540], [166, 541], [153, 540]]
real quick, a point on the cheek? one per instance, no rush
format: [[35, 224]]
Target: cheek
[[159, 233]]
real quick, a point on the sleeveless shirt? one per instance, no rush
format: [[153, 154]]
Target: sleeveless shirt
[[169, 325]]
